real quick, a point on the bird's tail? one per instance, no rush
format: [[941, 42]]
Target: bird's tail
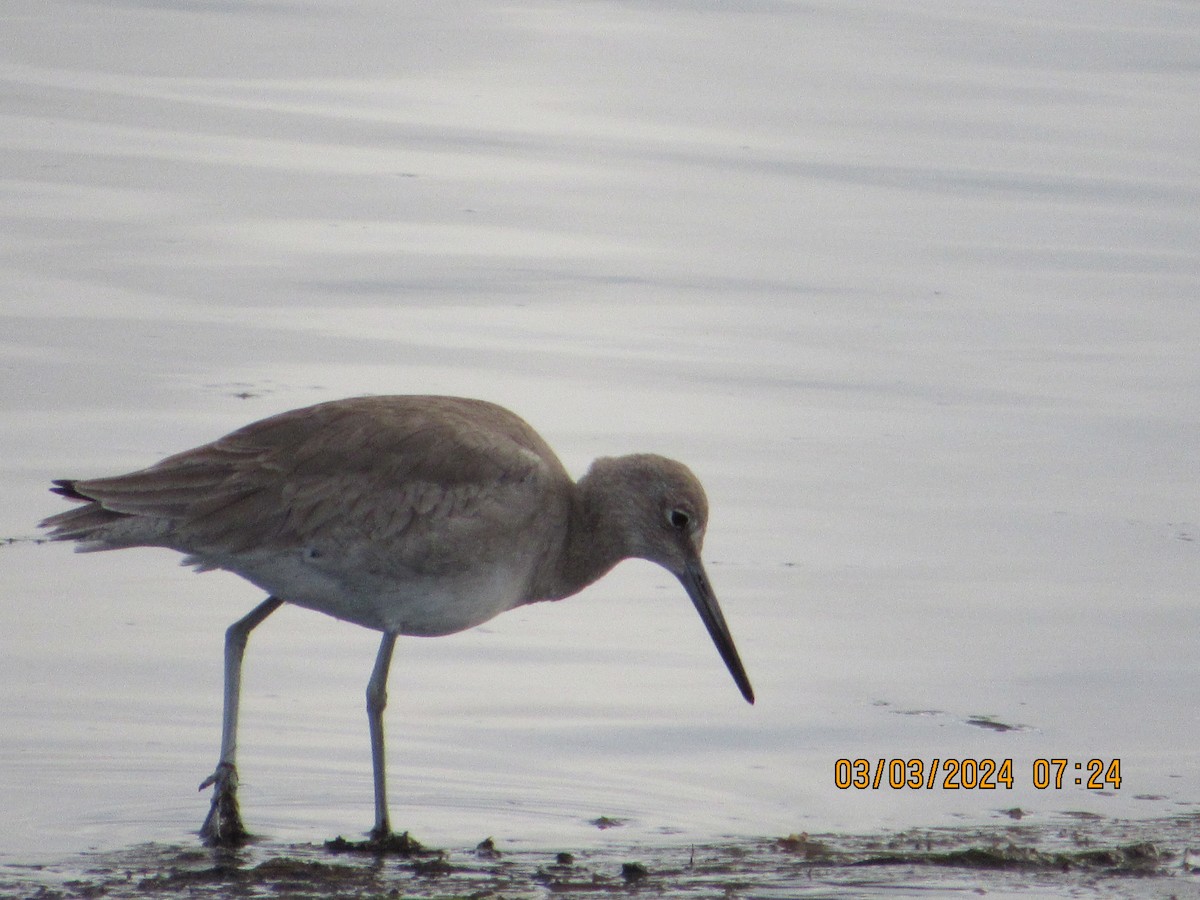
[[87, 524]]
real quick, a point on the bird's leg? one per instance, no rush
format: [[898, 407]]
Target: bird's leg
[[376, 701], [223, 825]]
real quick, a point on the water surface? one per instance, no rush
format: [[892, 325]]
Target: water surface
[[912, 288]]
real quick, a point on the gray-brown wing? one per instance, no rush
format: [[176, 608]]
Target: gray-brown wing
[[346, 472]]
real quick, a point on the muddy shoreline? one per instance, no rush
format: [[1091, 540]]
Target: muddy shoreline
[[1072, 856]]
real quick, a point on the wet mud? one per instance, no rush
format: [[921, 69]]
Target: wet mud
[[1070, 858]]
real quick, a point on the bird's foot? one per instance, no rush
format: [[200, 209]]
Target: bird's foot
[[381, 842], [223, 825]]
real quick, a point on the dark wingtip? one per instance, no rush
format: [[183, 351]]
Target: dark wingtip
[[65, 487]]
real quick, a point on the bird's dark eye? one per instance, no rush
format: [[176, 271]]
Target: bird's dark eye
[[678, 519]]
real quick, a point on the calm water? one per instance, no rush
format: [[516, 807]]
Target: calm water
[[913, 287]]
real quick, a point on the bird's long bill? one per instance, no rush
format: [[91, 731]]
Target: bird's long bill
[[695, 582]]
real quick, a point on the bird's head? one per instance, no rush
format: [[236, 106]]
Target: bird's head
[[657, 509], [656, 506]]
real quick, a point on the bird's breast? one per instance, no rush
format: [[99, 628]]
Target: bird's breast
[[396, 601]]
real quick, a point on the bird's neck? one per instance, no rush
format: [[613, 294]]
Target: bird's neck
[[593, 544]]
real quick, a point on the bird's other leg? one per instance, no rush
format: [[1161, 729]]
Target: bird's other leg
[[223, 825], [376, 702]]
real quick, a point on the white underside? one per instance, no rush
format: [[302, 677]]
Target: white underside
[[418, 605]]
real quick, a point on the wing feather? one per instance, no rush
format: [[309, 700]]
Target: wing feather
[[360, 471]]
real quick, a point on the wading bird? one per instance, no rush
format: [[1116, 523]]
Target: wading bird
[[411, 515]]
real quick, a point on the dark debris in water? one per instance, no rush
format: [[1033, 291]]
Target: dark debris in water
[[13, 541], [992, 724], [486, 849], [1134, 859], [634, 871], [1068, 857], [392, 845], [606, 822]]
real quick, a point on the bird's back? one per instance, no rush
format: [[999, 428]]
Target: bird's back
[[352, 494]]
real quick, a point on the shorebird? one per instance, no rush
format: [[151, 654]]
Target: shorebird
[[409, 515]]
